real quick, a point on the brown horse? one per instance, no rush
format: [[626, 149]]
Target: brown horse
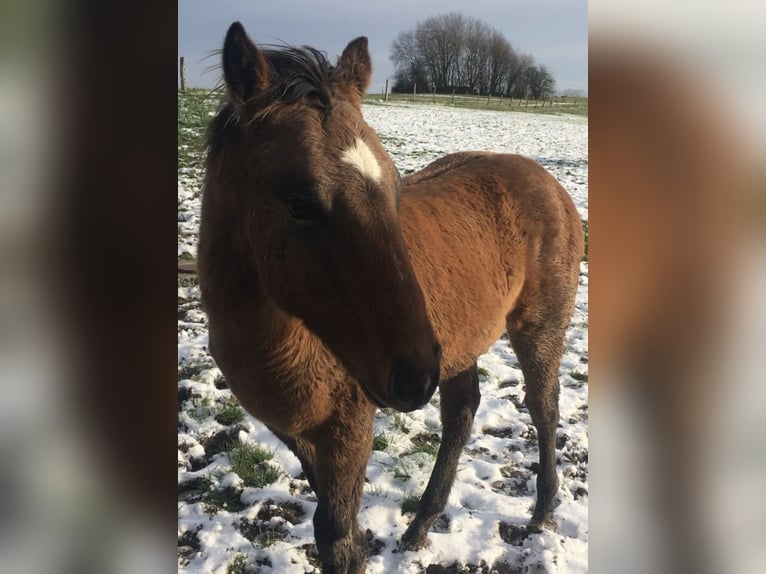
[[333, 285]]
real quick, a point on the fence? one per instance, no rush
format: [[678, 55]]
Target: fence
[[476, 100]]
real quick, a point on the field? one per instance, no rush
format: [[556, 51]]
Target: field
[[243, 505], [556, 105]]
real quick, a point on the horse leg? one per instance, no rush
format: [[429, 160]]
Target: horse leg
[[342, 451], [306, 454], [459, 400], [539, 351]]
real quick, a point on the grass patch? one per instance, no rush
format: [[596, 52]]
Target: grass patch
[[582, 377], [400, 471], [262, 534], [483, 372], [556, 105], [194, 108], [227, 499], [380, 441], [231, 413], [202, 408], [400, 423], [427, 443], [193, 367], [410, 504], [250, 463], [237, 566]]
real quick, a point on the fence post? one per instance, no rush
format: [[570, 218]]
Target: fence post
[[183, 73], [385, 92], [414, 91]]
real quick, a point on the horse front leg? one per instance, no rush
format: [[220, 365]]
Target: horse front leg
[[342, 450], [459, 400], [306, 454]]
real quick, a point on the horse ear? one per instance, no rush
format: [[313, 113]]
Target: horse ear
[[246, 71], [354, 68]]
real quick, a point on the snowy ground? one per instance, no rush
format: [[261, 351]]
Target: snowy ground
[[225, 526]]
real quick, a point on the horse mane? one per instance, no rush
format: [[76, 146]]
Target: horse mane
[[299, 72]]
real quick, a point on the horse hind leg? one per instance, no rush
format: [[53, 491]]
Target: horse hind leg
[[539, 349], [459, 400]]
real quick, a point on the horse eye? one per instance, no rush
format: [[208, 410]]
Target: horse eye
[[303, 208]]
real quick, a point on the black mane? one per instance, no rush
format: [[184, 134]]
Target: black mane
[[299, 72]]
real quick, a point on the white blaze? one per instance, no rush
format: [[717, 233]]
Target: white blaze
[[361, 157]]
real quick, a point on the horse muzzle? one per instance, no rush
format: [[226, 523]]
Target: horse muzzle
[[411, 385]]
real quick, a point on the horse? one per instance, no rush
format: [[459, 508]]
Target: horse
[[334, 286]]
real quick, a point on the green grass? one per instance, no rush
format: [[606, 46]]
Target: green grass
[[400, 422], [226, 499], [410, 504], [202, 407], [194, 107], [582, 377], [231, 413], [560, 105], [237, 566], [249, 462], [483, 372], [380, 441], [427, 443]]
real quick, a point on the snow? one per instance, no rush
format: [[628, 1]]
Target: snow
[[495, 484]]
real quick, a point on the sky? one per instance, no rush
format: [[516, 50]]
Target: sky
[[555, 32]]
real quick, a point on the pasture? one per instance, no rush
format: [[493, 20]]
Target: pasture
[[243, 505]]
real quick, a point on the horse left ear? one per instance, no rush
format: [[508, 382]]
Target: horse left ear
[[246, 71], [354, 68]]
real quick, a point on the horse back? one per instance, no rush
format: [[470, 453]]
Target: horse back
[[486, 233]]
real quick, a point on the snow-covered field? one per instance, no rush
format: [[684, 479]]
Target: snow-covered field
[[225, 526]]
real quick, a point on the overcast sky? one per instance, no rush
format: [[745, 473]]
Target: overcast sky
[[555, 32]]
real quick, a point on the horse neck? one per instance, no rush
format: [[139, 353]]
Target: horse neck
[[250, 323], [278, 342]]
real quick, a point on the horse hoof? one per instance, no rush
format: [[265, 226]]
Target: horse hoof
[[412, 543], [537, 525]]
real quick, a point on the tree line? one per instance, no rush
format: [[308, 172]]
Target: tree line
[[451, 52]]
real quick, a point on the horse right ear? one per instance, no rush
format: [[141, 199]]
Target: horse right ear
[[246, 71]]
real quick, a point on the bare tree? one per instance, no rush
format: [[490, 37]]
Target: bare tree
[[519, 76], [471, 60], [500, 56], [409, 61], [451, 51], [541, 82]]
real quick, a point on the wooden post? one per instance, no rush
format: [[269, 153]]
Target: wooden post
[[385, 92], [183, 74], [414, 91], [433, 96]]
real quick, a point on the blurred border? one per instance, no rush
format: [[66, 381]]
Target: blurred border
[[87, 325], [677, 276], [87, 296]]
